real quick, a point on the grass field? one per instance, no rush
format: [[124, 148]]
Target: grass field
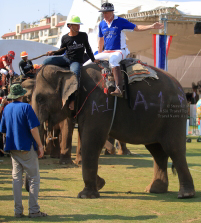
[[122, 199]]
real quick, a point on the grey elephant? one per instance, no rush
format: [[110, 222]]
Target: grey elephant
[[64, 130], [58, 149], [156, 118]]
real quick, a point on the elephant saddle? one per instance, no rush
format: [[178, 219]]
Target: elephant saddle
[[132, 70]]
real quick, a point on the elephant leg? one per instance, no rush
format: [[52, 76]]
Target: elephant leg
[[100, 182], [92, 143], [67, 127], [78, 159], [54, 145], [178, 156], [122, 149], [159, 183]]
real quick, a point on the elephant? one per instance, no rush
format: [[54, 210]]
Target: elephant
[[62, 148], [121, 147], [66, 126], [29, 86], [155, 117]]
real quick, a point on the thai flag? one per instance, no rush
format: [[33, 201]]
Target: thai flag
[[161, 45]]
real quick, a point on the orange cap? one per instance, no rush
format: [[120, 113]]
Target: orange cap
[[36, 66], [24, 54]]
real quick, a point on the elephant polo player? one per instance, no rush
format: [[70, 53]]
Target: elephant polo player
[[113, 40]]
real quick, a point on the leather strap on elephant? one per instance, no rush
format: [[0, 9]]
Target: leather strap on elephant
[[114, 110]]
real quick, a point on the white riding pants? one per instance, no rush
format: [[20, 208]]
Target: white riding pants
[[113, 56], [3, 71]]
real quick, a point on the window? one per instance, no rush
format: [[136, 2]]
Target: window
[[41, 33], [53, 22], [45, 32], [18, 29]]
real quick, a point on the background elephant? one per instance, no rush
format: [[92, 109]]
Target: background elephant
[[58, 142], [120, 146], [150, 118], [56, 148], [29, 85]]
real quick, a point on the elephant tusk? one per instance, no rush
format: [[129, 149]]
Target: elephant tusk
[[53, 138], [44, 125]]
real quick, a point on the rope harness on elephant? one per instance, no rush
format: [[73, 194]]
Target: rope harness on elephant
[[115, 100], [88, 97]]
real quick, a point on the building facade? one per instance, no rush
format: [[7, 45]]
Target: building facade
[[47, 30]]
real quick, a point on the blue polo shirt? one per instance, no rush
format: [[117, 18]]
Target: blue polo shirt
[[114, 37], [17, 120]]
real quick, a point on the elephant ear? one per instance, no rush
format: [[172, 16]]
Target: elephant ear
[[69, 85], [28, 85]]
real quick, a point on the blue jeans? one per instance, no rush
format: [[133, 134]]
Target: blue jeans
[[63, 61]]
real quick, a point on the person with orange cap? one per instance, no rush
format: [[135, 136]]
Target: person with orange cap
[[26, 66], [6, 67]]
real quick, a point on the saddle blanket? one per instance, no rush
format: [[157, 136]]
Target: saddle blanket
[[134, 68], [137, 71]]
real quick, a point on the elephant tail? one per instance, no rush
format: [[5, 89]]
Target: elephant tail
[[174, 171]]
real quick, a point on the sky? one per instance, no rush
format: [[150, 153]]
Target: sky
[[15, 11]]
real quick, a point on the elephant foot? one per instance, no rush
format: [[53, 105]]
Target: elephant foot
[[124, 152], [65, 161], [86, 193], [78, 160], [157, 186], [186, 194], [100, 182]]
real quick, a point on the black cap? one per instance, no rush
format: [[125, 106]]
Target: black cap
[[107, 7]]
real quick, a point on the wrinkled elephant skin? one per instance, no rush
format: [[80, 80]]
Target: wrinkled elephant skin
[[157, 119], [46, 103]]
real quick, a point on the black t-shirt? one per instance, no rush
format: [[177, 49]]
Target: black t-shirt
[[75, 47], [26, 66]]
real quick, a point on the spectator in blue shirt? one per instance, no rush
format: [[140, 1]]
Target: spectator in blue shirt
[[20, 126], [113, 40]]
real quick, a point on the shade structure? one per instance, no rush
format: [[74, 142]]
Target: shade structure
[[184, 41]]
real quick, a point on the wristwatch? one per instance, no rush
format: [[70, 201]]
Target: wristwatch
[[2, 105]]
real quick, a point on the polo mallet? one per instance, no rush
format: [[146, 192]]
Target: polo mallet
[[57, 51]]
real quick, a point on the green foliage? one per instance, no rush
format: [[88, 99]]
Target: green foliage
[[122, 199]]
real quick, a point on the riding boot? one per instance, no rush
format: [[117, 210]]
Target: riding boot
[[3, 81], [118, 82]]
